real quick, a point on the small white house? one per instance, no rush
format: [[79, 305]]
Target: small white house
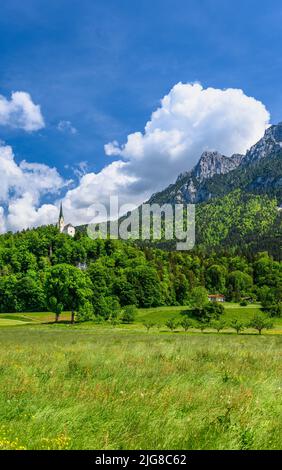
[[216, 298]]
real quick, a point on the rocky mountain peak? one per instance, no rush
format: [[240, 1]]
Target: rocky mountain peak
[[214, 163], [269, 144]]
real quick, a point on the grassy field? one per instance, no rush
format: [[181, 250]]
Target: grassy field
[[64, 388], [162, 314], [93, 386]]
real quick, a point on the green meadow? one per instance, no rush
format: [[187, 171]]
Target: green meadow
[[158, 315], [95, 386]]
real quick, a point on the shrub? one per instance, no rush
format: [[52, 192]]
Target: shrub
[[211, 311], [129, 314], [274, 310], [85, 312]]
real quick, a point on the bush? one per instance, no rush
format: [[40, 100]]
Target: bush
[[129, 314], [85, 312], [274, 310], [106, 306], [114, 321], [211, 311]]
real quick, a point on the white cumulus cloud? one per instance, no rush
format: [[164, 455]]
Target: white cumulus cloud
[[22, 187], [23, 213], [20, 112], [2, 220], [96, 188], [189, 120]]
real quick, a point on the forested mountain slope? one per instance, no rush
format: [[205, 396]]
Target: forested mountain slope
[[237, 199]]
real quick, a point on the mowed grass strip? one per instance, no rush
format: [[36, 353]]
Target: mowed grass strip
[[101, 388], [34, 317], [162, 314]]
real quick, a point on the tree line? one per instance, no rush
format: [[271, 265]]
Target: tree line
[[41, 269]]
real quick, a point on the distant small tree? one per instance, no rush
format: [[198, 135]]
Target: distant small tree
[[159, 326], [202, 324], [218, 325], [237, 325], [148, 325], [260, 323], [186, 323], [55, 307], [171, 324], [129, 314], [199, 298]]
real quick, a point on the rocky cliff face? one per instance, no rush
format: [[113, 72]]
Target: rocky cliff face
[[270, 144], [213, 163], [188, 187], [210, 164]]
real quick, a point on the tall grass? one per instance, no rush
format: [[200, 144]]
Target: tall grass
[[103, 388]]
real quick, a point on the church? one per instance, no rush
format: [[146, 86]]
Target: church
[[68, 229]]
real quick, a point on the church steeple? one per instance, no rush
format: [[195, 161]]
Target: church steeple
[[61, 221], [68, 229], [61, 216]]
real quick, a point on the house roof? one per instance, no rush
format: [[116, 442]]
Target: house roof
[[216, 296]]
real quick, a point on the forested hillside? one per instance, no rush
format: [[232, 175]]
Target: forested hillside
[[240, 219], [40, 264]]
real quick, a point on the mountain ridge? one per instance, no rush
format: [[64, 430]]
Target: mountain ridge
[[215, 174]]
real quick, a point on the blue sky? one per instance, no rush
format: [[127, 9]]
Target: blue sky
[[104, 65]]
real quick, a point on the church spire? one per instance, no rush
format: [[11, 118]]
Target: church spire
[[61, 221], [61, 216]]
